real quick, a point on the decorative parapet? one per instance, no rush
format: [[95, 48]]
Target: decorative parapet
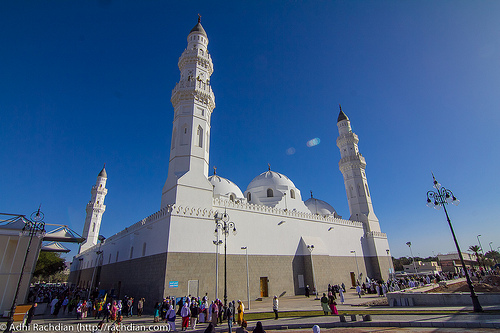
[[376, 234], [205, 213], [245, 206]]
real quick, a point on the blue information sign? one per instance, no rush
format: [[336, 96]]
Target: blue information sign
[[173, 284]]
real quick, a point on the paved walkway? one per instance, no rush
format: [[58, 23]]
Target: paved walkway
[[401, 319]]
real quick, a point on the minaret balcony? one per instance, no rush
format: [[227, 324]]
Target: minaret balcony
[[348, 138], [187, 86], [354, 158]]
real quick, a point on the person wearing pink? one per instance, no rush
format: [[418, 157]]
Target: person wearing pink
[[185, 314]]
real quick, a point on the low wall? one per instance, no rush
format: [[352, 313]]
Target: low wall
[[440, 299]]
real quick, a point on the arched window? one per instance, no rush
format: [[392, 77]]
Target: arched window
[[249, 196], [270, 193], [360, 190], [144, 249], [199, 133], [117, 253], [173, 138], [232, 197], [292, 194], [131, 252], [109, 260], [351, 192], [184, 135]]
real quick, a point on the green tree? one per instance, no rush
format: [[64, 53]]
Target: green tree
[[399, 262], [48, 263], [476, 249]]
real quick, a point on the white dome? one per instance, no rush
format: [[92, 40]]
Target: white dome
[[320, 207], [271, 179], [224, 187]]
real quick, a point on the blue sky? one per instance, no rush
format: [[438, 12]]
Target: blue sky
[[89, 82]]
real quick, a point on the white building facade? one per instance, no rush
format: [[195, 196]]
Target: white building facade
[[172, 251]]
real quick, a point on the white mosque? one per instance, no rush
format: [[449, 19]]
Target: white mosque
[[281, 244]]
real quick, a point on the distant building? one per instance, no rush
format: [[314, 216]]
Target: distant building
[[422, 267], [451, 262]]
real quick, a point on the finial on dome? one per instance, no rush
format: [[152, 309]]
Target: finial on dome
[[268, 166], [199, 18], [215, 170], [311, 194]]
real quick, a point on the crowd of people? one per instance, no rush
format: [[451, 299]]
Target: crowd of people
[[194, 310], [63, 300]]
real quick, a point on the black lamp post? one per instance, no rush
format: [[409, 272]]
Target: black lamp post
[[33, 226], [222, 222], [441, 197]]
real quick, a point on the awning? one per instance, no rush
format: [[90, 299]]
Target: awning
[[54, 247]]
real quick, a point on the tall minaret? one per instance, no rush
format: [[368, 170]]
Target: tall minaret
[[193, 102], [352, 165], [95, 209]]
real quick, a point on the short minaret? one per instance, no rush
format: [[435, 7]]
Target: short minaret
[[352, 165], [95, 209], [193, 102]]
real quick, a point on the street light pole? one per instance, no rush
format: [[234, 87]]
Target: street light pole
[[357, 267], [389, 259], [217, 243], [31, 227], [248, 278], [441, 197], [494, 257], [311, 248], [222, 222], [413, 258], [97, 261], [481, 249]]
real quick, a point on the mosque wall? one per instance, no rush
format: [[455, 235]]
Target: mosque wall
[[279, 274], [141, 277]]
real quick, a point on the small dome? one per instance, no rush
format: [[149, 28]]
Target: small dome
[[199, 28], [271, 179], [341, 116], [103, 173], [225, 187], [320, 207]]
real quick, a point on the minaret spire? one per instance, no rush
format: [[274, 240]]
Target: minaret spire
[[352, 165], [95, 209], [193, 102]]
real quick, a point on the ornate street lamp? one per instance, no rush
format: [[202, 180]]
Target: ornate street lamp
[[34, 226], [441, 197], [222, 223]]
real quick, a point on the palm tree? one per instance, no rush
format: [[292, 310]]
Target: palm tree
[[475, 249]]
